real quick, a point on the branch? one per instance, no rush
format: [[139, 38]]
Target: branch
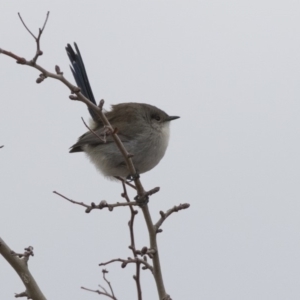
[[168, 213], [105, 293], [130, 260], [37, 39], [108, 283], [125, 181], [99, 292], [19, 263], [101, 205], [93, 132], [157, 273], [28, 252], [133, 213]]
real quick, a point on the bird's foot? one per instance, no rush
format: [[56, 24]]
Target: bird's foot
[[131, 178], [142, 200]]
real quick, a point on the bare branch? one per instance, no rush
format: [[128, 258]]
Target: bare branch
[[23, 294], [125, 181], [101, 205], [19, 60], [103, 288], [46, 20], [37, 39], [92, 131], [100, 293], [28, 252], [153, 191], [108, 283], [132, 245], [26, 26], [100, 105], [130, 260], [19, 264], [105, 293], [157, 273], [168, 213]]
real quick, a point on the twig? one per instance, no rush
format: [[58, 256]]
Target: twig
[[26, 26], [99, 292], [28, 252], [168, 213], [108, 283], [105, 293], [23, 294], [37, 39], [125, 181], [157, 273], [132, 244], [101, 205], [153, 191], [19, 60], [130, 260], [103, 288], [92, 131]]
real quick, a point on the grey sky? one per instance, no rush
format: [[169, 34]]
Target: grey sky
[[231, 70]]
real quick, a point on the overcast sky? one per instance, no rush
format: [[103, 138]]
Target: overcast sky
[[231, 70]]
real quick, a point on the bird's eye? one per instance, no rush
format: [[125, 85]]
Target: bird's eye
[[156, 117]]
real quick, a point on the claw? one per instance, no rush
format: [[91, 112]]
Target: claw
[[131, 178]]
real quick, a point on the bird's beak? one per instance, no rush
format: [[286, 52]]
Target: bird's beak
[[170, 118]]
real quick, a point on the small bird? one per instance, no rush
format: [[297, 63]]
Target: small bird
[[143, 129]]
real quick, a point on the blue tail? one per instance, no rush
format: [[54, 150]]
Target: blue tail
[[80, 75]]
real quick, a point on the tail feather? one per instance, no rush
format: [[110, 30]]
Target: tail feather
[[80, 75]]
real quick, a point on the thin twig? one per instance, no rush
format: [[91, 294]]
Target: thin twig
[[105, 293], [132, 244], [47, 16], [99, 292], [168, 213], [92, 131], [26, 26], [103, 288], [37, 39], [125, 181], [108, 283], [101, 205], [125, 262]]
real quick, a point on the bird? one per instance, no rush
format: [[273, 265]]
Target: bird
[[143, 129]]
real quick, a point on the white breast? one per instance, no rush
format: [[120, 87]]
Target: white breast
[[148, 150]]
